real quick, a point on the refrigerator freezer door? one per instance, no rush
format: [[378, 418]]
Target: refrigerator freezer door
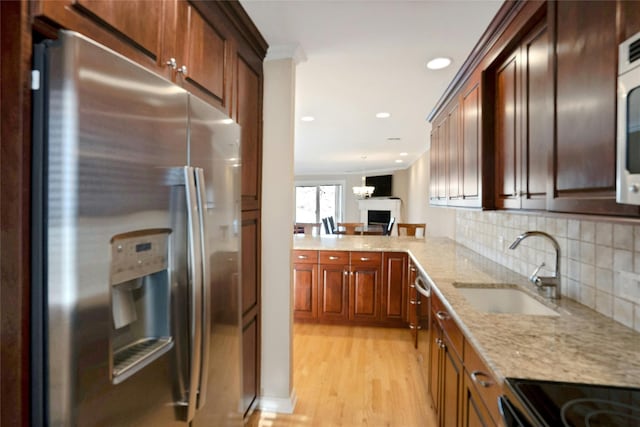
[[214, 148], [115, 131]]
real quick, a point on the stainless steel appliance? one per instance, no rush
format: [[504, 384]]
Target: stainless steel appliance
[[536, 403], [628, 132], [136, 238]]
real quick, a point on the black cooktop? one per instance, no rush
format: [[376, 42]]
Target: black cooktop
[[578, 405]]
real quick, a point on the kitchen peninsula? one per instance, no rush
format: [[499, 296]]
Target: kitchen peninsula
[[578, 345]]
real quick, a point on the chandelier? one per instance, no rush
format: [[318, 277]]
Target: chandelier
[[363, 191]]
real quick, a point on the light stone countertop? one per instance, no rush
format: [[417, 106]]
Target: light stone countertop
[[580, 345]]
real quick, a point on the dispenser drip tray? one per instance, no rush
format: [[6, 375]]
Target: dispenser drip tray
[[130, 359]]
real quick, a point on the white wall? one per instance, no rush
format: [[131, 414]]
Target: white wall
[[440, 221], [277, 192]]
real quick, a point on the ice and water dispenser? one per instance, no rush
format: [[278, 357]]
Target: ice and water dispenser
[[140, 300]]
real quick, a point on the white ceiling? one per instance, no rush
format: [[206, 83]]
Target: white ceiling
[[365, 57]]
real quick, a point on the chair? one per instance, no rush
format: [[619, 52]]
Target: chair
[[407, 229], [387, 231], [327, 227], [350, 227], [332, 225]]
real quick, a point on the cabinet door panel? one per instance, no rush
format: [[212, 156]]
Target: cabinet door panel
[[434, 365], [586, 100], [137, 20], [248, 114], [364, 293], [471, 143], [453, 153], [333, 292], [538, 132], [205, 56], [250, 364], [305, 277], [250, 260], [451, 380], [507, 129], [395, 285]]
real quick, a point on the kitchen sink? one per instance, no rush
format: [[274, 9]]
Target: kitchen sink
[[504, 300]]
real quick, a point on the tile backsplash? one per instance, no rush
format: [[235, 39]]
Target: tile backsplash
[[599, 264]]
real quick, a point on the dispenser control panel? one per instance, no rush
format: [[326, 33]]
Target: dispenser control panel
[[138, 253]]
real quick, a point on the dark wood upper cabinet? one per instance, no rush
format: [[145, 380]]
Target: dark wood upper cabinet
[[523, 117], [138, 21], [471, 139], [454, 155], [586, 82]]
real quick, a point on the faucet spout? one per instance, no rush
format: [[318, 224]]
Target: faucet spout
[[550, 284]]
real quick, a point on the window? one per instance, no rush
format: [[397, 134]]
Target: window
[[314, 202]]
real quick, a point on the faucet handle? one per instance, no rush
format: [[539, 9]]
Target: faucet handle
[[534, 276]]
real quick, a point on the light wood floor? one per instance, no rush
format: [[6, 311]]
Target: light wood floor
[[354, 376]]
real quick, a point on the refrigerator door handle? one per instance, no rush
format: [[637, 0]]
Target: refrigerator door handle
[[206, 291], [195, 288]]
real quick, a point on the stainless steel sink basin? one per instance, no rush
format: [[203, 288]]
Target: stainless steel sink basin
[[504, 300]]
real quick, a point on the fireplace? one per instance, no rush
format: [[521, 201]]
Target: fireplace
[[376, 206], [378, 217]]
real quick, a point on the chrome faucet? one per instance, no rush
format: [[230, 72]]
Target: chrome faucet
[[549, 284]]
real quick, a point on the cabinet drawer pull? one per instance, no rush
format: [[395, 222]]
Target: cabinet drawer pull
[[483, 383], [415, 302], [333, 258], [346, 273], [303, 257], [364, 259], [443, 315], [171, 63], [413, 269], [412, 326], [412, 286]]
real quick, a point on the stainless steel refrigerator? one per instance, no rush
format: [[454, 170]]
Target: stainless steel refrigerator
[[136, 234]]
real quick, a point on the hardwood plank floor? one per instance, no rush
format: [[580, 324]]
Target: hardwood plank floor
[[354, 376]]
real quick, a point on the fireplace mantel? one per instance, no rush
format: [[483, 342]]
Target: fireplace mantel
[[391, 205]]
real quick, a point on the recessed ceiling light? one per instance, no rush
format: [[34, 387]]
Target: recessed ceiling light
[[307, 118], [399, 161], [227, 121], [404, 154], [383, 115], [438, 63]]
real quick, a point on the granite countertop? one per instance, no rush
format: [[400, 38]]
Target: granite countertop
[[579, 345]]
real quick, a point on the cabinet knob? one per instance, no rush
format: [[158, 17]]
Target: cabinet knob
[[634, 188], [171, 63], [442, 315], [182, 70], [346, 273]]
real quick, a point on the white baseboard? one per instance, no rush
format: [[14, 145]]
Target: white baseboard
[[282, 405]]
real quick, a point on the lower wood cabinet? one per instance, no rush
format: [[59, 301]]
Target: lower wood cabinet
[[463, 391], [342, 287], [445, 367]]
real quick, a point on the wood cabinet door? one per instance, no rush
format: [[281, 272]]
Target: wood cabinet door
[[586, 82], [333, 286], [474, 411], [537, 132], [305, 291], [454, 154], [507, 132], [250, 363], [203, 49], [471, 139], [395, 284], [248, 114], [452, 373], [364, 292], [250, 260], [138, 21]]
